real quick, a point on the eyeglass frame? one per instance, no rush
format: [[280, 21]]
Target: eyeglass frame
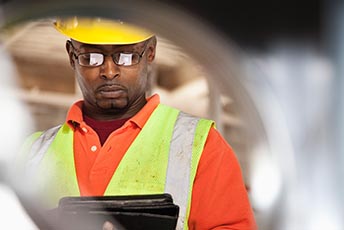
[[76, 56]]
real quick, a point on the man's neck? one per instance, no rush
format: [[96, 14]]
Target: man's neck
[[113, 114]]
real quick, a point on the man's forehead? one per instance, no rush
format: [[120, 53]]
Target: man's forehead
[[78, 44]]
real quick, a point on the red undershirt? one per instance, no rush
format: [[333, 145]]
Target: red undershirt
[[104, 128]]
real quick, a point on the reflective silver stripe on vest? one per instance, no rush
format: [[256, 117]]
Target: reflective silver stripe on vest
[[39, 148], [179, 163]]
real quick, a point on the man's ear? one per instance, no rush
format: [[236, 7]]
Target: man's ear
[[151, 49], [69, 48]]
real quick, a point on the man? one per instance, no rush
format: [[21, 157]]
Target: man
[[118, 141]]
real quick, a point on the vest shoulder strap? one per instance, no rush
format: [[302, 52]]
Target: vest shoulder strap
[[41, 145]]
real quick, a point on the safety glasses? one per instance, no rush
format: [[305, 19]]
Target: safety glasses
[[94, 59]]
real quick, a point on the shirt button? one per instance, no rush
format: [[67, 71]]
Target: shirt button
[[94, 148], [84, 129]]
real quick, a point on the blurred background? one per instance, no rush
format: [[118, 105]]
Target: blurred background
[[268, 72]]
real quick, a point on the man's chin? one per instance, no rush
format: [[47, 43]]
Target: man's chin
[[112, 105]]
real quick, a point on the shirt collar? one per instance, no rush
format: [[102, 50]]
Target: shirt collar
[[142, 116]]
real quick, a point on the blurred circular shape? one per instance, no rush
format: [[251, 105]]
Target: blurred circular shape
[[215, 52], [15, 126]]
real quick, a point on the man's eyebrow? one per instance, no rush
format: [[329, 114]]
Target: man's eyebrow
[[83, 45]]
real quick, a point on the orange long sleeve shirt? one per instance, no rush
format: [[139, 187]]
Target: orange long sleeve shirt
[[219, 198]]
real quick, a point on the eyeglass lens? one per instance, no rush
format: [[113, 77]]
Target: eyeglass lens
[[97, 59]]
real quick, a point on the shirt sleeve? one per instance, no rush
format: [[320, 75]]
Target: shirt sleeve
[[219, 197]]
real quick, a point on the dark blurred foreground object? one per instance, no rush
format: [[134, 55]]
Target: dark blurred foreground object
[[135, 212]]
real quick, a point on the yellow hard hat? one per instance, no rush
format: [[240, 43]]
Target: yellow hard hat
[[101, 31]]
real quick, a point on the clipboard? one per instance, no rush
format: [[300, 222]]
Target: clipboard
[[133, 212]]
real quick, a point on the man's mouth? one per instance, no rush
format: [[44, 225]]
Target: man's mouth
[[111, 91]]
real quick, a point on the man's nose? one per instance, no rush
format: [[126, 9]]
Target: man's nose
[[109, 69]]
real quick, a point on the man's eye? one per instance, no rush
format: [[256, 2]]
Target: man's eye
[[125, 59], [91, 59]]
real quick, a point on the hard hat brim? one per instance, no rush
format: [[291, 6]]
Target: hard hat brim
[[101, 31]]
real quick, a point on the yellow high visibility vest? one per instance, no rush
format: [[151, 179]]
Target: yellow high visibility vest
[[162, 159]]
